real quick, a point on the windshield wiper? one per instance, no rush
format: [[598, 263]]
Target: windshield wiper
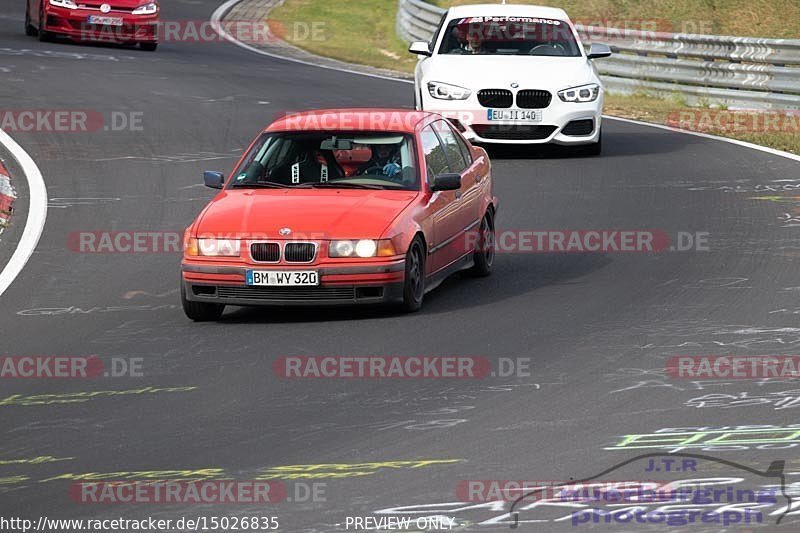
[[261, 184], [340, 184]]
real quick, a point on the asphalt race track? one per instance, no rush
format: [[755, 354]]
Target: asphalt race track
[[598, 328]]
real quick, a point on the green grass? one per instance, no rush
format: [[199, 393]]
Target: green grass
[[664, 111], [751, 18], [363, 32]]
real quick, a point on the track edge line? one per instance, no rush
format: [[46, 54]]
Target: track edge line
[[37, 212]]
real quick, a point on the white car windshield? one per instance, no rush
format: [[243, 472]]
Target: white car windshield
[[509, 36]]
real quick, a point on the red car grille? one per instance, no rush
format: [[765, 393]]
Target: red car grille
[[300, 252], [265, 252], [96, 5]]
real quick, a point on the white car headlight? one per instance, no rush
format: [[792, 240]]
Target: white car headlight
[[69, 4], [146, 9], [366, 248], [445, 91], [584, 93], [219, 247], [341, 249], [362, 248]]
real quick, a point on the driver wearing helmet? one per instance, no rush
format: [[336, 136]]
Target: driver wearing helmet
[[385, 160]]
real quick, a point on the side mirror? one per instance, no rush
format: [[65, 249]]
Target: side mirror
[[420, 48], [446, 182], [599, 51], [215, 180]]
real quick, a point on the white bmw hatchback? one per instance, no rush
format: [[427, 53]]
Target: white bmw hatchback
[[512, 74]]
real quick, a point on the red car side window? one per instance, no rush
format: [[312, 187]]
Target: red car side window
[[435, 158], [452, 149]]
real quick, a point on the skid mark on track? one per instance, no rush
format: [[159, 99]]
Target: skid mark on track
[[82, 397], [79, 311], [61, 55], [134, 294], [63, 203], [42, 459]]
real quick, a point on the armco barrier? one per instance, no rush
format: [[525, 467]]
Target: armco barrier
[[738, 72]]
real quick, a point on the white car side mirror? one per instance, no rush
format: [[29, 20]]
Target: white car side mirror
[[599, 51], [420, 48]]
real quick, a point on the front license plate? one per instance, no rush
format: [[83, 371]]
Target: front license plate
[[515, 115], [105, 21], [277, 278]]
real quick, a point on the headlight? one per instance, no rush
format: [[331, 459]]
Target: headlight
[[213, 247], [146, 9], [69, 4], [444, 91], [584, 93], [362, 248]]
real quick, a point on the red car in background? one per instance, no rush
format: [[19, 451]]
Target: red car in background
[[115, 21], [342, 207]]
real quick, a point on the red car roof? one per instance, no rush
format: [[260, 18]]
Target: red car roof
[[395, 120]]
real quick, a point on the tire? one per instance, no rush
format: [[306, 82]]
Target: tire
[[414, 284], [148, 47], [485, 252], [44, 36], [30, 30], [200, 311], [593, 149]]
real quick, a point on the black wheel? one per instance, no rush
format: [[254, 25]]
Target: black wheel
[[149, 47], [200, 311], [44, 36], [414, 286], [485, 250], [30, 30], [593, 149]]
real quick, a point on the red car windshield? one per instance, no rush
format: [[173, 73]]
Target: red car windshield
[[517, 36], [330, 159]]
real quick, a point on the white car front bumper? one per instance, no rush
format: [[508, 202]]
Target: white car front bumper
[[473, 120]]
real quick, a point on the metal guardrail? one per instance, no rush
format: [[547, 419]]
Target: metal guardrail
[[740, 72]]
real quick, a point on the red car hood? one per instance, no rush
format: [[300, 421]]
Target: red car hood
[[309, 213]]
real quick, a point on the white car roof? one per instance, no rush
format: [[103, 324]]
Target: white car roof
[[508, 10]]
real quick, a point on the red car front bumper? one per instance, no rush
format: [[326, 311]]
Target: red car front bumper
[[344, 284], [75, 24]]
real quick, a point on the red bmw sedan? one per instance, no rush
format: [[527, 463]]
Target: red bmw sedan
[[346, 206], [115, 21]]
